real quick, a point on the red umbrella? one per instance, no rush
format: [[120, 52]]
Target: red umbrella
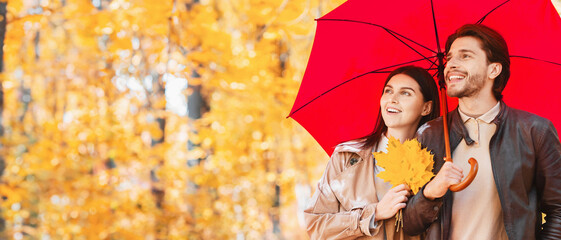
[[360, 42]]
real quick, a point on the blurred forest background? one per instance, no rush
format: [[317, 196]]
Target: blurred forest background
[[145, 119]]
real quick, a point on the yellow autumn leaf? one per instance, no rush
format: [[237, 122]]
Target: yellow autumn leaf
[[405, 163]]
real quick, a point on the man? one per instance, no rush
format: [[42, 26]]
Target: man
[[519, 154]]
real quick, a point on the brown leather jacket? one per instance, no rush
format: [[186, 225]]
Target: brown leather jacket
[[345, 199], [526, 163]]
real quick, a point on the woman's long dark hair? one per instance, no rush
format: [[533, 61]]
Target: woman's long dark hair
[[429, 91]]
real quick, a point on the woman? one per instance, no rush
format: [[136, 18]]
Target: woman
[[347, 204]]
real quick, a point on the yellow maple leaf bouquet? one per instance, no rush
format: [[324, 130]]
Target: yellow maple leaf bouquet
[[405, 163]]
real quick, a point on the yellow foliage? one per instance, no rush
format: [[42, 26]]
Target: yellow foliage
[[84, 90], [405, 163], [15, 7]]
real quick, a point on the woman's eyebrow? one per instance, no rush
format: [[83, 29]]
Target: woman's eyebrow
[[408, 88]]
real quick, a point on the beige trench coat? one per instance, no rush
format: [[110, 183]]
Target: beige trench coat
[[345, 199]]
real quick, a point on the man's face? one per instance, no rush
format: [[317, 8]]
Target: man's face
[[466, 68]]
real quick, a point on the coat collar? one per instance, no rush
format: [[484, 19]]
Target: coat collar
[[354, 147]]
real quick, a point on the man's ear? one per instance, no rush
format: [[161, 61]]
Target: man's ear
[[427, 108], [494, 70]]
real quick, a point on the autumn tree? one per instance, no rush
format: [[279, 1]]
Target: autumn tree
[[255, 157], [98, 143], [84, 128]]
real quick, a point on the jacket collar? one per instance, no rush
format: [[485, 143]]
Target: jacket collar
[[354, 147]]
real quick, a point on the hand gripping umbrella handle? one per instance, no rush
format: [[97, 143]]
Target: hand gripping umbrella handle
[[467, 181]]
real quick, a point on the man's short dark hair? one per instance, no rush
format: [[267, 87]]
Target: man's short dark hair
[[495, 48]]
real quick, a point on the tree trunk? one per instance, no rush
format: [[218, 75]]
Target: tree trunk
[[196, 106], [2, 35]]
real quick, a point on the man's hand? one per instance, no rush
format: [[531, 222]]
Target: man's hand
[[392, 201], [448, 175]]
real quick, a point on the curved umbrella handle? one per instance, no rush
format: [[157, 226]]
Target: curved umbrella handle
[[467, 181]]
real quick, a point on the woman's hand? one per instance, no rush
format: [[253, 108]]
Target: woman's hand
[[392, 201], [448, 175]]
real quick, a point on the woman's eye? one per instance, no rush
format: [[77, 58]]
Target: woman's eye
[[387, 90], [406, 93]]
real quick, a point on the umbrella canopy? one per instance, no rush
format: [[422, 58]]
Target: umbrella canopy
[[360, 42]]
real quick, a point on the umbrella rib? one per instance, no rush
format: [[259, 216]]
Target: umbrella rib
[[389, 30], [483, 18], [434, 75], [531, 58], [432, 65], [415, 50], [435, 28], [345, 82]]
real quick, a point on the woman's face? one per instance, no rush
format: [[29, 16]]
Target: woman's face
[[402, 103]]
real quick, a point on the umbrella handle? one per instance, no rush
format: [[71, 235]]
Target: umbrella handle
[[467, 181]]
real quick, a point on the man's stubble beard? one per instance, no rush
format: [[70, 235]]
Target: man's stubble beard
[[472, 86]]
